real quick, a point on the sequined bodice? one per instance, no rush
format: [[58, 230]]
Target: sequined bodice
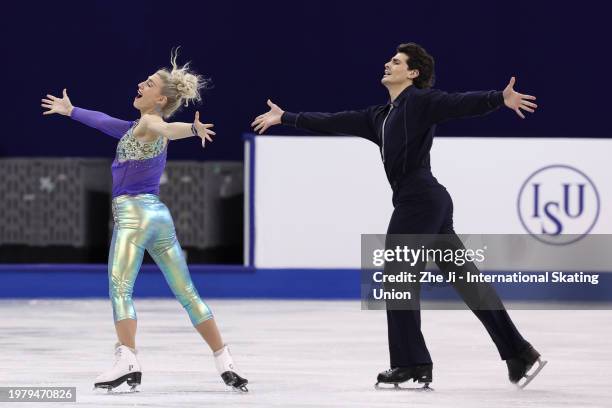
[[130, 148]]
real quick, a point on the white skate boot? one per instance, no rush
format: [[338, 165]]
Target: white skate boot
[[227, 370], [126, 368]]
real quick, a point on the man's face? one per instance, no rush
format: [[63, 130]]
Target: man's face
[[397, 71]]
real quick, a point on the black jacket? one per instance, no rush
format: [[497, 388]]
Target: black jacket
[[404, 129]]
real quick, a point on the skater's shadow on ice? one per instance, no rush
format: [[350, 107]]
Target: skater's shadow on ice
[[150, 392], [532, 394]]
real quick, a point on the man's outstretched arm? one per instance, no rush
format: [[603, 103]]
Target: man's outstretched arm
[[442, 106], [353, 123]]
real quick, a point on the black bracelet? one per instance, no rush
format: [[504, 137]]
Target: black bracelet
[[194, 130]]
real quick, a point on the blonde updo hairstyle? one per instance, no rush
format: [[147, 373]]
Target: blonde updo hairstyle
[[181, 85]]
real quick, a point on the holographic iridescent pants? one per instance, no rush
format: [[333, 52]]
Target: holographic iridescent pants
[[144, 222]]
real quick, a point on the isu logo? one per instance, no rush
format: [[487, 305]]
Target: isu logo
[[558, 204]]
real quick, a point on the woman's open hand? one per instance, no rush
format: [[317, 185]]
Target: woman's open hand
[[63, 106], [203, 129]]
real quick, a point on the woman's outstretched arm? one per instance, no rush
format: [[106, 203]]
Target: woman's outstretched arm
[[178, 130], [111, 126]]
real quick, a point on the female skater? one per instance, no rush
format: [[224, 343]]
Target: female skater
[[142, 221], [403, 129]]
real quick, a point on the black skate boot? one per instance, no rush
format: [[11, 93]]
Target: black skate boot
[[398, 375], [519, 366], [232, 379], [227, 370]]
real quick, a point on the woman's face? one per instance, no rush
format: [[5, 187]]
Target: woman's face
[[149, 98]]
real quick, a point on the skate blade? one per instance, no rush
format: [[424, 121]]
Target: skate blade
[[115, 391], [132, 380], [397, 387], [529, 377], [240, 389], [130, 391]]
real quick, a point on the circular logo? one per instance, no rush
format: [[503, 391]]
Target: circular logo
[[558, 204]]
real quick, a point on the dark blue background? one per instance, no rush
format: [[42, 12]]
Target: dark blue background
[[307, 55]]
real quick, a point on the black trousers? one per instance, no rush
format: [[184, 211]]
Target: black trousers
[[431, 212]]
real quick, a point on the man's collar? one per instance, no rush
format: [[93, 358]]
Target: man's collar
[[407, 91]]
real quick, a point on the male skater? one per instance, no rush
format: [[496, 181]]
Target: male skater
[[404, 129]]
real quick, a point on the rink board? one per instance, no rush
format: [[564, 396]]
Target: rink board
[[309, 198], [237, 282]]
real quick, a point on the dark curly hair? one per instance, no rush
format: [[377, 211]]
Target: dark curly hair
[[419, 58]]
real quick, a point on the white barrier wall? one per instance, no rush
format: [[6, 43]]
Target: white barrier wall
[[314, 196]]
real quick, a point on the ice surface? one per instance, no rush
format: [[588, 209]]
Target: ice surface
[[300, 354]]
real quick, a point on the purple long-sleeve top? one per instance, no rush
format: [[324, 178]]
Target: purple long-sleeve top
[[130, 177]]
